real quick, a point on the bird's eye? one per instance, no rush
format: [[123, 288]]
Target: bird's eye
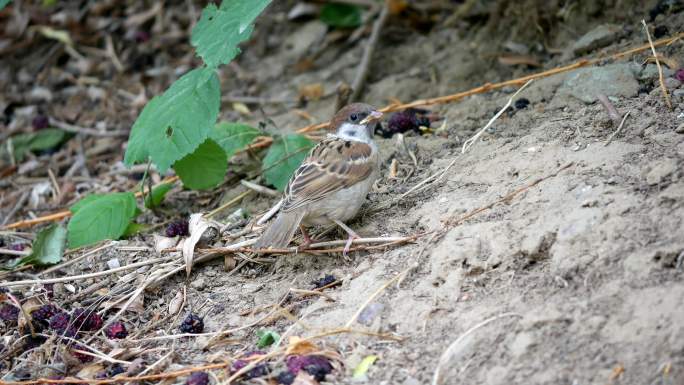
[[353, 117]]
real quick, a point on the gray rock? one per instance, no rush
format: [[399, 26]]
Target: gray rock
[[198, 284], [678, 93], [611, 80], [651, 72], [680, 129], [598, 37], [672, 83], [660, 171]]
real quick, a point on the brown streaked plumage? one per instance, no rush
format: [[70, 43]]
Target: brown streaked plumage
[[332, 182]]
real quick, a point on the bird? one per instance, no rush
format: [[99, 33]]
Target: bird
[[332, 182]]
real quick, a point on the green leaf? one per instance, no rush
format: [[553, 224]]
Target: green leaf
[[48, 248], [233, 137], [220, 30], [103, 217], [3, 3], [36, 141], [283, 158], [341, 15], [203, 169], [267, 338], [172, 125], [88, 199], [362, 368], [158, 194], [134, 228]]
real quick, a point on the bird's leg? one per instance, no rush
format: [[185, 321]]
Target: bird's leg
[[352, 236], [307, 239]]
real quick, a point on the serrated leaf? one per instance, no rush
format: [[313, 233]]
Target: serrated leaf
[[267, 338], [157, 196], [220, 30], [48, 248], [104, 217], [204, 168], [172, 125], [283, 158], [341, 15], [233, 137]]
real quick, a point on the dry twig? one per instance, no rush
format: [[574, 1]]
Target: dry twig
[[362, 71], [622, 123], [666, 95]]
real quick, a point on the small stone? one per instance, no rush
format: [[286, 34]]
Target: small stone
[[660, 171], [651, 72], [611, 80], [680, 129], [198, 284], [672, 83], [598, 37]]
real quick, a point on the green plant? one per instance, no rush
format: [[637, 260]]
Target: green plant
[[178, 130]]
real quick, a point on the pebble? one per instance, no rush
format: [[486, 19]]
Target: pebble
[[198, 284], [610, 80], [598, 37], [680, 129], [672, 83], [651, 72]]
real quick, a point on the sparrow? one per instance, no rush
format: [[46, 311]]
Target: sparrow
[[332, 182]]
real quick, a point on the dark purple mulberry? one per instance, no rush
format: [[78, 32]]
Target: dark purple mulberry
[[44, 313], [325, 281], [522, 103], [117, 330], [408, 120], [9, 313], [679, 75], [40, 121], [81, 356], [197, 378], [317, 366], [192, 324], [178, 228], [286, 377], [17, 246], [87, 320], [60, 323], [257, 371]]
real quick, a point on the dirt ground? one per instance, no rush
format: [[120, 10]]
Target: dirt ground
[[585, 268]]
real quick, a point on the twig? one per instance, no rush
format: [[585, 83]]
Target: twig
[[260, 189], [16, 253], [86, 131], [362, 71], [77, 259], [468, 143], [20, 202], [270, 213], [610, 108], [228, 204], [666, 96], [373, 296], [622, 123], [66, 213], [444, 359], [313, 292], [29, 282]]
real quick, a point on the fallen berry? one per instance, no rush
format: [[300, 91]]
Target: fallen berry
[[17, 246], [60, 323], [192, 324], [44, 313], [257, 371], [286, 377], [178, 228], [679, 75], [197, 378], [40, 122], [408, 120], [325, 281], [9, 313], [87, 320], [522, 103], [317, 366], [81, 356], [116, 330], [141, 36]]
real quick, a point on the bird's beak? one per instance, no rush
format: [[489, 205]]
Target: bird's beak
[[373, 116]]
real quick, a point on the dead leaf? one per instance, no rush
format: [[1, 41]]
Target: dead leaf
[[513, 60], [162, 243], [176, 303], [90, 371], [197, 226], [296, 345], [311, 91], [229, 263], [396, 6]]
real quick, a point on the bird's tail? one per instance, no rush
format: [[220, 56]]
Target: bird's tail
[[279, 234]]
